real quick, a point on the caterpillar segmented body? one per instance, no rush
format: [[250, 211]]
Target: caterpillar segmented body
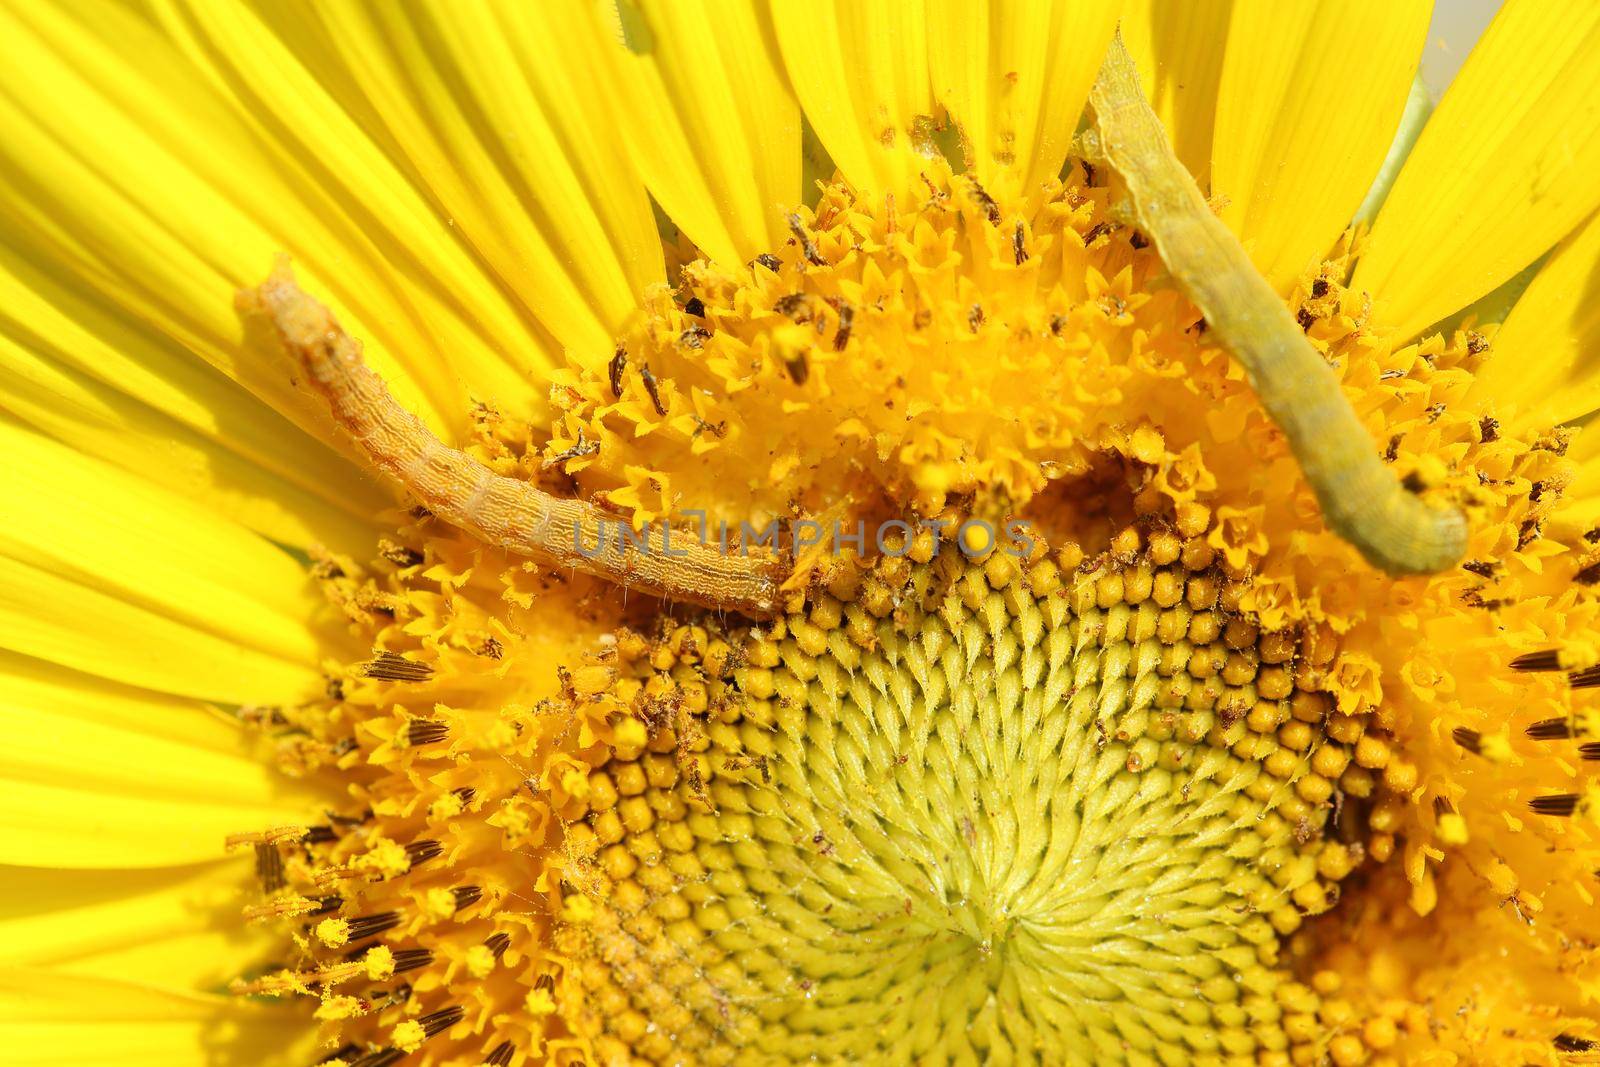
[[500, 511], [1361, 500]]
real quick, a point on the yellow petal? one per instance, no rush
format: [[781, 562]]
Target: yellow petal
[[161, 184], [128, 581], [1014, 75], [701, 101], [495, 108], [108, 776], [1179, 47], [50, 1019], [110, 386], [1504, 169], [54, 618], [1310, 97], [45, 688], [861, 74], [182, 925], [1544, 367]]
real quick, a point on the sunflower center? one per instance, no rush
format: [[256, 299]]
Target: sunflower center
[[1067, 808], [1012, 818]]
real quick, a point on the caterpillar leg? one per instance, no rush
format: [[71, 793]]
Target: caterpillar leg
[[500, 511]]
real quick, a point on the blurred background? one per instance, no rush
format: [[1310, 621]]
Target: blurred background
[[1456, 25]]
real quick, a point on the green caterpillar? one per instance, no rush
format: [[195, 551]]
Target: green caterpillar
[[1361, 500]]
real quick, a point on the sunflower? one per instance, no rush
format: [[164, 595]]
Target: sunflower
[[668, 532]]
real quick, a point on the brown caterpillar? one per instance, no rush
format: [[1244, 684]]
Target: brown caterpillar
[[500, 511], [1361, 501]]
